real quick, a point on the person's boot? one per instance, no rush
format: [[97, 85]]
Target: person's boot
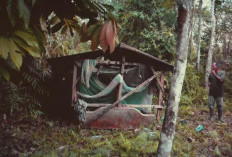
[[210, 114], [220, 115]]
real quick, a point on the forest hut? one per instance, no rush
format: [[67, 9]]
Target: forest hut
[[103, 90]]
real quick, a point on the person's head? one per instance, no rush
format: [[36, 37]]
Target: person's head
[[216, 66]]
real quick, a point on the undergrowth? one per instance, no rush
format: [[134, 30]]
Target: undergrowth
[[43, 137], [22, 94], [193, 93], [53, 139]]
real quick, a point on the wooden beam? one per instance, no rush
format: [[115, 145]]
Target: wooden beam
[[127, 105], [105, 62], [102, 62], [157, 79], [99, 114]]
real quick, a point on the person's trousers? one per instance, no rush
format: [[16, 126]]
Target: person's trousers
[[219, 102]]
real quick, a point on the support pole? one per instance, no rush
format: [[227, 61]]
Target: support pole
[[120, 85], [74, 90], [161, 92], [74, 83]]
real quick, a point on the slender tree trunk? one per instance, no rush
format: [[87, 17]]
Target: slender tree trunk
[[168, 129], [199, 36], [191, 31], [190, 44], [228, 48], [224, 46], [211, 46]]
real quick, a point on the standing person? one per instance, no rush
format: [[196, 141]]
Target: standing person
[[216, 91]]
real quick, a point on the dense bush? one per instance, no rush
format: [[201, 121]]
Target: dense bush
[[193, 92], [22, 94]]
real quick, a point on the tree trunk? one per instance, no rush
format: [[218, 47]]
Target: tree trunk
[[211, 46], [199, 36], [227, 47], [168, 129], [224, 45], [192, 23]]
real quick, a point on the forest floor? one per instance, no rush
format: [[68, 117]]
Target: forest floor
[[21, 136]]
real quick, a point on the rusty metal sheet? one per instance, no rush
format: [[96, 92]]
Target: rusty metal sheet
[[120, 118]]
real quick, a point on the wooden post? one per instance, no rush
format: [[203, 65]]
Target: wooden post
[[74, 83], [74, 91], [120, 85], [157, 79], [161, 92]]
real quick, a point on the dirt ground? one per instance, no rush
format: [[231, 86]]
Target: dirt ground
[[216, 137]]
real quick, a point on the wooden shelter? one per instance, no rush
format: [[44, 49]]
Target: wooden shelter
[[66, 83]]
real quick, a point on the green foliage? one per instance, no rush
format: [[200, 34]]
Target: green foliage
[[62, 44], [193, 92], [21, 32], [217, 151], [148, 26], [18, 100], [228, 82], [64, 141], [228, 89], [23, 42], [16, 38], [23, 95]]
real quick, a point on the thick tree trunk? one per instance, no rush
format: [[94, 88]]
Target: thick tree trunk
[[168, 129], [199, 36], [211, 46]]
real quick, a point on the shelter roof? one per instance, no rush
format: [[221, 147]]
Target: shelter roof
[[131, 55]]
